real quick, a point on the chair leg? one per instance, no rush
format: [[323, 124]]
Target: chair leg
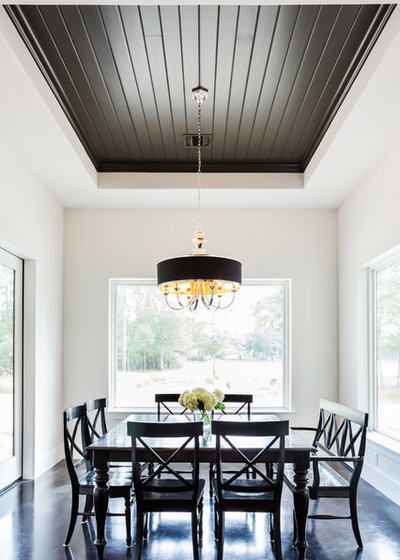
[[277, 536], [128, 522], [210, 478], [195, 542], [215, 522], [354, 521], [139, 534], [146, 526], [74, 514], [88, 508], [221, 534], [269, 470], [294, 539], [271, 528], [201, 519]]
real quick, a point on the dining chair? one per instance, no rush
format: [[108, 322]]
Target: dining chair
[[172, 491], [165, 399], [97, 424], [96, 418], [81, 472], [162, 400], [233, 493], [243, 402]]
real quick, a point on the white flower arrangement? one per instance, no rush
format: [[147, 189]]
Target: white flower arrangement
[[202, 400]]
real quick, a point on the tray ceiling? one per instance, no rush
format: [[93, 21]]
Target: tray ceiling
[[276, 77]]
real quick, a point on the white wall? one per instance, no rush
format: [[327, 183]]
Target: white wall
[[368, 226], [31, 226], [296, 244]]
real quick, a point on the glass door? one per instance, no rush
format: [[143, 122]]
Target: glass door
[[11, 268]]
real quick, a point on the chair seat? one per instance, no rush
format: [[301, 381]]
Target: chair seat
[[170, 500], [247, 494], [121, 477]]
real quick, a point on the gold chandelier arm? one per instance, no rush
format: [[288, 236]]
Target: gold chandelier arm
[[207, 302], [223, 298], [191, 302], [171, 306]]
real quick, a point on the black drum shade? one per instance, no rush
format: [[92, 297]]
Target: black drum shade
[[195, 268]]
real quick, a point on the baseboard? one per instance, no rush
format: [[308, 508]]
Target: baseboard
[[48, 460]]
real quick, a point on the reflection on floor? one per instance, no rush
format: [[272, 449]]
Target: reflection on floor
[[34, 519]]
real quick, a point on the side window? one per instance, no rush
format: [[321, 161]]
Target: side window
[[385, 316]]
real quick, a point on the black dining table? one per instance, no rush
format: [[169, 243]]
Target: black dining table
[[115, 446]]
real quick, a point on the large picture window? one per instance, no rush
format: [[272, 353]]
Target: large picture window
[[385, 295], [242, 349]]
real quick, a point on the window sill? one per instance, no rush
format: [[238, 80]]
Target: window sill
[[389, 446], [116, 413]]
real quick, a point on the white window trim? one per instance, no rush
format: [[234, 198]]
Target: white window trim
[[373, 395], [287, 366], [385, 440]]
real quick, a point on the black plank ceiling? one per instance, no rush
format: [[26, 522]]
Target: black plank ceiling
[[276, 76]]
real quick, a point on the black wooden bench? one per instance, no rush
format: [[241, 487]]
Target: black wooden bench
[[339, 439]]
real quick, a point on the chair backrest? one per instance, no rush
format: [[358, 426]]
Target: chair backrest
[[141, 435], [267, 445], [76, 439], [341, 430], [243, 400], [96, 418], [163, 398]]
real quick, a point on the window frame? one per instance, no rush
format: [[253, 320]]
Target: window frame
[[286, 358], [378, 265]]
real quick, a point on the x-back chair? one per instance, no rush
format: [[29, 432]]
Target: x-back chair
[[164, 488], [262, 494], [81, 473]]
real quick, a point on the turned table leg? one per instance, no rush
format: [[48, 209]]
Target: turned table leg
[[301, 501], [101, 494]]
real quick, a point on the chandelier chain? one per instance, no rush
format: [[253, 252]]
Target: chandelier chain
[[199, 224]]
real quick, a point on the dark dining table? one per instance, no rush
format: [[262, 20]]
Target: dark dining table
[[115, 446]]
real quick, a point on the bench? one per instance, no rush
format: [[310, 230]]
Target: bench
[[339, 441]]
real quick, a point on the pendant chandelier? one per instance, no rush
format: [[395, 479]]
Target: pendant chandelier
[[199, 277]]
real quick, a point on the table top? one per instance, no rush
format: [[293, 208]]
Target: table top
[[117, 438]]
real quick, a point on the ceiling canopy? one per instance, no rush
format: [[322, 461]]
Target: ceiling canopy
[[276, 77]]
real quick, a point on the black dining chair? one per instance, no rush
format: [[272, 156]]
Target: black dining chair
[[171, 491], [97, 424], [243, 404], [81, 472], [233, 493], [96, 418], [164, 402], [165, 399]]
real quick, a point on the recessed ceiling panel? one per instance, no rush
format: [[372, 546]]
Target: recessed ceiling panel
[[276, 76]]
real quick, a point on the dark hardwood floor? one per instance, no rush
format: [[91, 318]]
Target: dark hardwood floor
[[34, 518]]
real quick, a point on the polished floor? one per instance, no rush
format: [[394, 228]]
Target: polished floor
[[34, 519]]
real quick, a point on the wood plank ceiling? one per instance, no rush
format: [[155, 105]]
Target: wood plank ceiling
[[276, 76]]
